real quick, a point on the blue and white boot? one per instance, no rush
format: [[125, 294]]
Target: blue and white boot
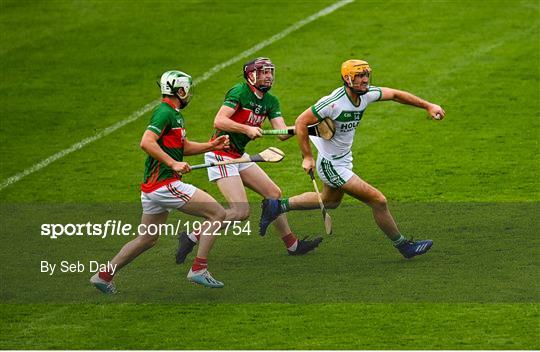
[[411, 248], [203, 277], [107, 287]]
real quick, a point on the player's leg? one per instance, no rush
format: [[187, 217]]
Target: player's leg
[[233, 190], [143, 242], [203, 205], [330, 196], [227, 178], [374, 198], [103, 280], [368, 194], [229, 182], [257, 180]]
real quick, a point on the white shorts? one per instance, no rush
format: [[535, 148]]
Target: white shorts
[[217, 172], [166, 198], [335, 173]]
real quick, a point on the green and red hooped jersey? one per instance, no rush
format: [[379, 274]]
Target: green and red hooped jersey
[[251, 111], [168, 124]]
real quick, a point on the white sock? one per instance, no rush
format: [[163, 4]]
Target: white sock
[[192, 237], [293, 247]]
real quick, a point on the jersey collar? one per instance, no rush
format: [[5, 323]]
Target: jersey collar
[[256, 92], [170, 103], [350, 99]]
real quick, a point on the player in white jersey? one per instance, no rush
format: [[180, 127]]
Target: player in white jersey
[[345, 106]]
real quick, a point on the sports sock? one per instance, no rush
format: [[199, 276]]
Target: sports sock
[[199, 264], [105, 275], [291, 242], [399, 240], [194, 236], [284, 205]]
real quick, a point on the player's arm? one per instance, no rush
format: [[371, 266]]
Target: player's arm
[[434, 110], [150, 145], [301, 125], [278, 123], [192, 148], [223, 122]]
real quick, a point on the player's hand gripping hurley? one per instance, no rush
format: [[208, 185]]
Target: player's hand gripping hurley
[[324, 129], [326, 217]]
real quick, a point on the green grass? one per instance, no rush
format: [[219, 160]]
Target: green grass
[[71, 69], [272, 326]]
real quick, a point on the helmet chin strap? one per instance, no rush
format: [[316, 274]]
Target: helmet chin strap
[[264, 89], [183, 102], [349, 85]]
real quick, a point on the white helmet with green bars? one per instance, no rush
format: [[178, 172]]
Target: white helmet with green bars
[[171, 82]]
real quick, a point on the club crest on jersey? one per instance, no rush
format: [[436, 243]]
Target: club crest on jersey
[[350, 120], [255, 119]]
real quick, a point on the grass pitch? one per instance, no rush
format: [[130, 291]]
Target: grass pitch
[[470, 182]]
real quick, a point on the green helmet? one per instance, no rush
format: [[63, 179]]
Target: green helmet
[[171, 82]]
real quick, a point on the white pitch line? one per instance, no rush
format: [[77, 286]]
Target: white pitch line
[[137, 114]]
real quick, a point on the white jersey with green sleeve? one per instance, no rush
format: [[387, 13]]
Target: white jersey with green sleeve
[[339, 107]]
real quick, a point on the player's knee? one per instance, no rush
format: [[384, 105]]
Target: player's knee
[[218, 214], [331, 204], [239, 214], [379, 201], [148, 241], [153, 241], [275, 193], [243, 215]]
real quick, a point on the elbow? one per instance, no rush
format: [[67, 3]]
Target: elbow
[[144, 145], [304, 120], [300, 124], [218, 123]]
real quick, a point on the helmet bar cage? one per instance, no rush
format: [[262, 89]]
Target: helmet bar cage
[[259, 64], [177, 92]]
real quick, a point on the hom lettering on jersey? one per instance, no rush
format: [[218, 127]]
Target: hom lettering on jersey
[[250, 111]]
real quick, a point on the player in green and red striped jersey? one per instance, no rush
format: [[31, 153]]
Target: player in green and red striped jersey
[[162, 189], [245, 108]]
